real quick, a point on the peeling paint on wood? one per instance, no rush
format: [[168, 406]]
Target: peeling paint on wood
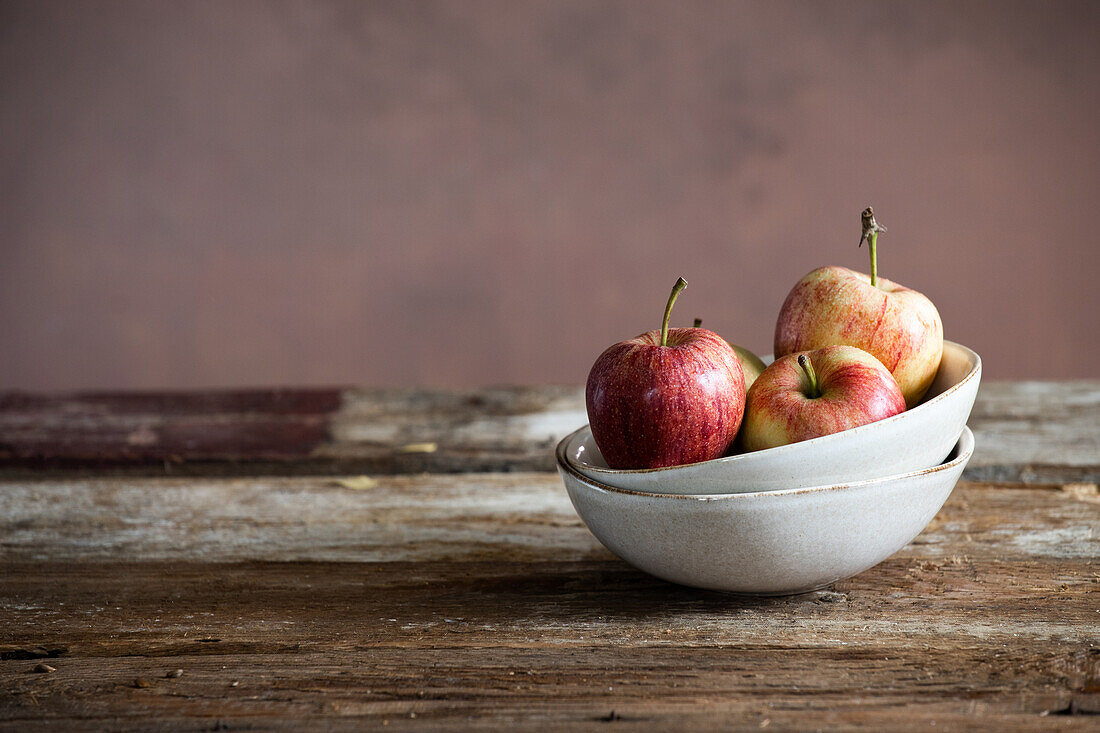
[[1033, 432]]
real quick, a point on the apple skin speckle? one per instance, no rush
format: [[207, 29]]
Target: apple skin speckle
[[652, 406], [899, 326]]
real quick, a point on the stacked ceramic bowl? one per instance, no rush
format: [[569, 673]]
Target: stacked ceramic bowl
[[788, 519]]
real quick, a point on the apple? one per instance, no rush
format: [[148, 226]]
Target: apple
[[815, 393], [666, 397], [835, 305], [751, 364]]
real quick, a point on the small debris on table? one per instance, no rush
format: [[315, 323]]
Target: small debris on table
[[418, 448], [356, 483]]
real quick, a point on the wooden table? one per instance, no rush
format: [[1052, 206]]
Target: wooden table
[[358, 558]]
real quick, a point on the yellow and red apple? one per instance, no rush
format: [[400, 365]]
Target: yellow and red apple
[[811, 394], [835, 305]]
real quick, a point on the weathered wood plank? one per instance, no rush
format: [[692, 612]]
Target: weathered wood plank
[[720, 687], [108, 430], [1026, 431], [1036, 432], [537, 644], [287, 431], [435, 517], [481, 599], [165, 609]]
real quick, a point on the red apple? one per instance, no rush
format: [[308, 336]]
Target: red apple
[[751, 364], [811, 394], [665, 398], [835, 305]]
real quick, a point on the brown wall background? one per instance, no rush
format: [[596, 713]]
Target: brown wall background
[[467, 193]]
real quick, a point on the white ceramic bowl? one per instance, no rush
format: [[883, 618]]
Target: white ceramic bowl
[[910, 441], [771, 542]]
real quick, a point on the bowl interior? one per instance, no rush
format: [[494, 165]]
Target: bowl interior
[[958, 364]]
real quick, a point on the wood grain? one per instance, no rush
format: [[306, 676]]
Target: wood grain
[[546, 643], [430, 518], [439, 579], [1031, 432], [481, 599], [287, 431], [1037, 432]]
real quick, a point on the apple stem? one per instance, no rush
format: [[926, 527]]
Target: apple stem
[[872, 241], [681, 283], [871, 228], [698, 323], [808, 369]]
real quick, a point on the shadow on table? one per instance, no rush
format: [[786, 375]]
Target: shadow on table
[[605, 590]]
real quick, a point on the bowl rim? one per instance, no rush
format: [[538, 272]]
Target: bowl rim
[[974, 372], [964, 446]]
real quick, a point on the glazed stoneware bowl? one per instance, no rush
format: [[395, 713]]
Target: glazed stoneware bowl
[[915, 439], [765, 543]]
